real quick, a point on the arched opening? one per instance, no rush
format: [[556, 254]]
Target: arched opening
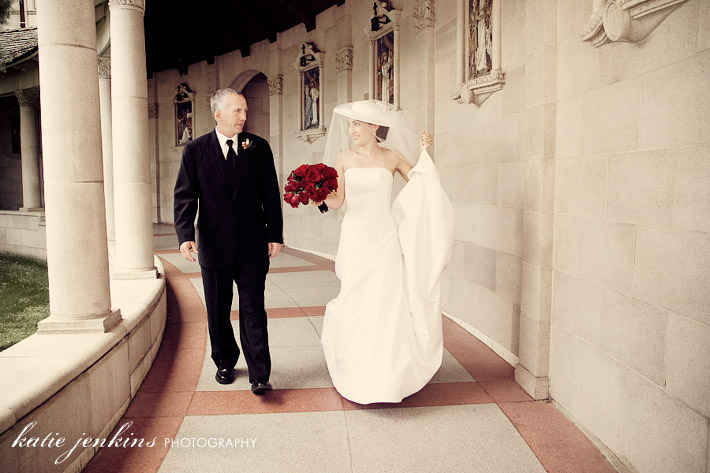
[[10, 156], [256, 91]]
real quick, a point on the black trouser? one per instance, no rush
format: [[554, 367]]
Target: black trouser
[[251, 279]]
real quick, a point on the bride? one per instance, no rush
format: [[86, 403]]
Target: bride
[[382, 335]]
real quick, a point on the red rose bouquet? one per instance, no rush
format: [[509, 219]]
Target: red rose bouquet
[[310, 183]]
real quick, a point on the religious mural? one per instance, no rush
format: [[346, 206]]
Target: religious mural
[[479, 38], [311, 98], [184, 126], [384, 82]]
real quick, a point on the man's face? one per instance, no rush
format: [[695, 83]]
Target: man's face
[[232, 116]]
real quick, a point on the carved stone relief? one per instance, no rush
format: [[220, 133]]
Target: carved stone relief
[[276, 85], [627, 21], [424, 15], [344, 59]]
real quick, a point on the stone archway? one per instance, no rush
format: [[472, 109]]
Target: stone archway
[[254, 85]]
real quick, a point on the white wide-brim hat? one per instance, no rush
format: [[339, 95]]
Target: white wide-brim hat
[[368, 111]]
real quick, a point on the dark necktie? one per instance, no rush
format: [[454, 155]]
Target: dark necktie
[[231, 157]]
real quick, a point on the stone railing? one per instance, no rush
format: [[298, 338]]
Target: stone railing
[[74, 386]]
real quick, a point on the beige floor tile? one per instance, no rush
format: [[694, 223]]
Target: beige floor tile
[[289, 261], [179, 261], [304, 279], [297, 442], [471, 438]]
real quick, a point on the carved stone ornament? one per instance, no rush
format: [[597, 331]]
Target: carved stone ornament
[[308, 57], [424, 15], [276, 85], [152, 110], [344, 59], [140, 4], [28, 98], [477, 90], [628, 21], [105, 68]]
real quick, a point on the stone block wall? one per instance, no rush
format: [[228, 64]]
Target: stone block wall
[[23, 233], [630, 336]]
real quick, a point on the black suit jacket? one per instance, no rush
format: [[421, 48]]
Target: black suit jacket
[[237, 217]]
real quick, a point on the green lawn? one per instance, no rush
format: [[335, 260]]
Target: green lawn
[[24, 297]]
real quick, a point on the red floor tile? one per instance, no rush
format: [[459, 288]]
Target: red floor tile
[[137, 459], [277, 401], [506, 390], [159, 404], [170, 381], [559, 445], [478, 359], [317, 310]]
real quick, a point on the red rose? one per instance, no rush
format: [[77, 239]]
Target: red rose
[[313, 175], [332, 184], [321, 194], [303, 198], [301, 171]]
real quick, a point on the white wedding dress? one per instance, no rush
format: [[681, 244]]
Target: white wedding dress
[[382, 335]]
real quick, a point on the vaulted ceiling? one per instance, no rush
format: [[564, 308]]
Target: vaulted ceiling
[[183, 32]]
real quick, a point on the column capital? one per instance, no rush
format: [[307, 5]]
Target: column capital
[[276, 85], [152, 110], [28, 97], [138, 4], [105, 68], [344, 59], [424, 16]]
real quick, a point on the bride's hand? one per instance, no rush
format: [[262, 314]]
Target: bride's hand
[[425, 141]]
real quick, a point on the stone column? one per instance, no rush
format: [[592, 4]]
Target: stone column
[[532, 371], [77, 254], [131, 156], [29, 102], [106, 141]]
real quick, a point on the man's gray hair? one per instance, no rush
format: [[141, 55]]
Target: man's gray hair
[[217, 99]]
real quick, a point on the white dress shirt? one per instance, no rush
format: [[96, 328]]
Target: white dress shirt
[[223, 143]]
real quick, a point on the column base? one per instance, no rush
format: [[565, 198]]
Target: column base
[[31, 209], [58, 325], [537, 388], [122, 274]]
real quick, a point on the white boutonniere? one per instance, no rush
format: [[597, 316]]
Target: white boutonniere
[[247, 144]]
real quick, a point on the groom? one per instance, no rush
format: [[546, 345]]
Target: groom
[[231, 175]]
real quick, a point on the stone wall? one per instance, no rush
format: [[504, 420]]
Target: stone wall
[[630, 335], [23, 233]]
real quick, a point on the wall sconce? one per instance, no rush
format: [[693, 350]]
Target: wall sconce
[[376, 20], [305, 58]]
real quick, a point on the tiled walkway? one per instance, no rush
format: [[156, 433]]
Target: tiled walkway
[[472, 417]]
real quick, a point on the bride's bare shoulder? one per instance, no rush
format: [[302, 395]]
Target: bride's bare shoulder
[[397, 158]]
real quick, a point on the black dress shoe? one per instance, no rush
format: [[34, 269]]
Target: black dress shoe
[[260, 388], [224, 376]]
